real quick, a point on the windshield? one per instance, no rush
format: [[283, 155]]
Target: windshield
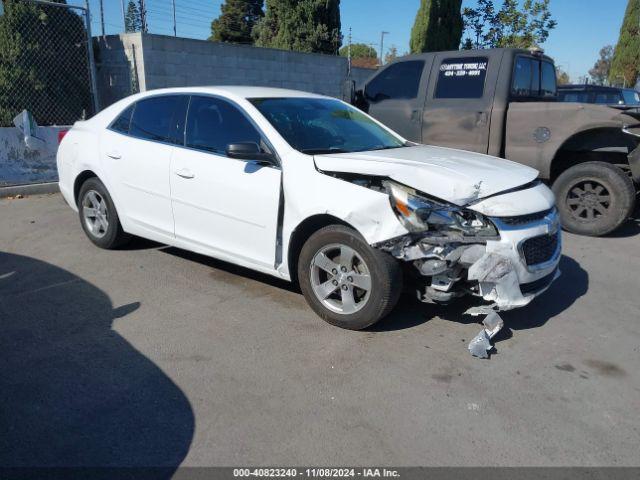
[[320, 125], [631, 97]]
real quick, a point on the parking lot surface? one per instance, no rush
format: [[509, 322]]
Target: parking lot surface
[[155, 356]]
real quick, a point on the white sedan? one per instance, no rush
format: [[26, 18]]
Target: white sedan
[[310, 189]]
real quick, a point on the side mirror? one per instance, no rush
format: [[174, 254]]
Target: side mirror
[[28, 127], [249, 151]]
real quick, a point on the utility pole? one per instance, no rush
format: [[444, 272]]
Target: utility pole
[[102, 17], [143, 16], [124, 15], [349, 53], [382, 34], [175, 30]]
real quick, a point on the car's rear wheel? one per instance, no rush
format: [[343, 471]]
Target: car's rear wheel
[[98, 216], [345, 281], [594, 198]]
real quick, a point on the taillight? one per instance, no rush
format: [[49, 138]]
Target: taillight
[[61, 134]]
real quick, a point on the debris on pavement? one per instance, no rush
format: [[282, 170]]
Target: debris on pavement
[[481, 343]]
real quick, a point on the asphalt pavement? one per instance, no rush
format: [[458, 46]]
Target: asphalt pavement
[[155, 356]]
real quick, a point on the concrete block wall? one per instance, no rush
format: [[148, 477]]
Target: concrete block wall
[[120, 67], [165, 61]]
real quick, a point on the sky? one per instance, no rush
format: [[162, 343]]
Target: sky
[[584, 26]]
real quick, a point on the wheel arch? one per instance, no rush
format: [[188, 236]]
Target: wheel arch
[[79, 180], [604, 144], [301, 234]]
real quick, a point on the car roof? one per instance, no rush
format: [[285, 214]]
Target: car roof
[[237, 91]]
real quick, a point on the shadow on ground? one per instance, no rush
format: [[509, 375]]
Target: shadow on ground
[[73, 392]]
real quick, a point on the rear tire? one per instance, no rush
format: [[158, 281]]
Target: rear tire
[[345, 281], [98, 216], [594, 198]]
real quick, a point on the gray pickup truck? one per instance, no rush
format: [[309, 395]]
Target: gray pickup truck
[[503, 102]]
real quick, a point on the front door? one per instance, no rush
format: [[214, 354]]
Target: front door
[[459, 102], [394, 96], [223, 206]]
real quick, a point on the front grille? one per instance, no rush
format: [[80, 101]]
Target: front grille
[[540, 249], [539, 284], [525, 219]]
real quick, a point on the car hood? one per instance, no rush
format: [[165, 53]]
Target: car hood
[[456, 176]]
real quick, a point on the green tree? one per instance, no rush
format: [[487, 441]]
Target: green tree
[[301, 25], [600, 71], [43, 63], [236, 21], [133, 18], [562, 76], [626, 58], [510, 26], [391, 55], [438, 26], [359, 50]]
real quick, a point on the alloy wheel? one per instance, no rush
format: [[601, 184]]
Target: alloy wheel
[[95, 213], [588, 200], [340, 278]]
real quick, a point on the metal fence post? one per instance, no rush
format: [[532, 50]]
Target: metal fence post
[[92, 63]]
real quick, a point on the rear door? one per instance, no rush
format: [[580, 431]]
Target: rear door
[[459, 101], [137, 151], [395, 96]]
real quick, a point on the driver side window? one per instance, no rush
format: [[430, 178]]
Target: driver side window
[[213, 124]]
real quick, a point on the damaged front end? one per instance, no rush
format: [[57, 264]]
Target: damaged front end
[[452, 251], [447, 245]]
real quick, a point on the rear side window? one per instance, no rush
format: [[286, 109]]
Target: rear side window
[[153, 118], [213, 124], [462, 77], [608, 98], [398, 81], [121, 124]]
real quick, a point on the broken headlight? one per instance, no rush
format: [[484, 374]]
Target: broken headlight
[[420, 214]]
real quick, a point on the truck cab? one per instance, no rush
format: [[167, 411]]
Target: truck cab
[[504, 102]]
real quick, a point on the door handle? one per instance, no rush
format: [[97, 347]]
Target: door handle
[[415, 115], [481, 118], [184, 173], [114, 154]]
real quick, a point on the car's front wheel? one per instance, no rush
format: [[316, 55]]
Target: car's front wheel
[[345, 281], [98, 216]]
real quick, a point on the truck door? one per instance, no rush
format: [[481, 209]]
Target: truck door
[[459, 101], [395, 96]]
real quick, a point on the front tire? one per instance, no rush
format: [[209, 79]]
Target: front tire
[[594, 198], [98, 216], [345, 281]]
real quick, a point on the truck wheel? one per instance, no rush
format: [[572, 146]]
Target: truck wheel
[[345, 281], [594, 198]]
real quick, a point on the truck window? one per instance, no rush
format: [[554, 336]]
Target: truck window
[[462, 77], [398, 81], [548, 87], [522, 77], [533, 78]]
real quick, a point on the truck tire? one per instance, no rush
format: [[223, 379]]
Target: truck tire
[[594, 198], [346, 282]]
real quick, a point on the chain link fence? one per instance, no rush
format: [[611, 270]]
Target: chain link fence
[[46, 65]]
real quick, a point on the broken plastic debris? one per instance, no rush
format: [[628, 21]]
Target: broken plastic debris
[[27, 125], [481, 343]]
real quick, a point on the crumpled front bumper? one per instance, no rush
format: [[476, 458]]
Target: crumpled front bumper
[[505, 272], [503, 275]]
